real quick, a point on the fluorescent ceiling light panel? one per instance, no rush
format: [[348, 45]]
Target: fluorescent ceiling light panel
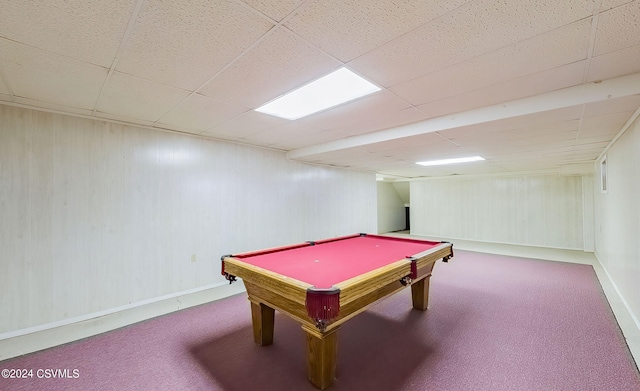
[[451, 161], [331, 90]]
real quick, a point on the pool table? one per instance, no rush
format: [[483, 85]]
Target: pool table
[[322, 284]]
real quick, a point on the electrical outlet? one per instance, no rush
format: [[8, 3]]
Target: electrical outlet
[[193, 257]]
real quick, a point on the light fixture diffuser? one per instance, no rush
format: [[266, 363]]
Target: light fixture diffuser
[[451, 161], [338, 87]]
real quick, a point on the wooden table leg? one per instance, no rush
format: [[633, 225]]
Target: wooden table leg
[[321, 356], [420, 294], [262, 317]]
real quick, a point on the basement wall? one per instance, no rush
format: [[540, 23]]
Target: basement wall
[[536, 210], [617, 218], [97, 216], [391, 210]]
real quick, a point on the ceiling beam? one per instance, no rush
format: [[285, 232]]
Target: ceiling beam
[[571, 96]]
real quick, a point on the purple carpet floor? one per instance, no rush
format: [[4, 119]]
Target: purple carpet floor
[[494, 323]]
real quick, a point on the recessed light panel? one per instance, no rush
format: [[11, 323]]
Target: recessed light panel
[[450, 161], [331, 90]]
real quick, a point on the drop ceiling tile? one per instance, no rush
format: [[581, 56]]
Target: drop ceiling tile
[[537, 136], [613, 64], [132, 97], [44, 76], [586, 158], [405, 143], [278, 64], [292, 140], [245, 125], [534, 141], [379, 121], [274, 9], [604, 124], [560, 153], [372, 109], [591, 147], [456, 169], [517, 146], [608, 4], [300, 135], [377, 162], [348, 153], [75, 28], [541, 166], [429, 153], [412, 171], [349, 28], [392, 164], [423, 151], [485, 128], [535, 84], [488, 25], [359, 161], [589, 155], [588, 139], [475, 168], [200, 113], [283, 138], [560, 119], [343, 157], [618, 28], [543, 118], [184, 46], [511, 158], [449, 152], [370, 164], [610, 106], [550, 130], [288, 135], [562, 47], [521, 146]]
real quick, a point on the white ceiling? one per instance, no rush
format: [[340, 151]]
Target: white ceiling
[[531, 85]]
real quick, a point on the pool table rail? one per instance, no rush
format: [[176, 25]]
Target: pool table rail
[[356, 294], [286, 286]]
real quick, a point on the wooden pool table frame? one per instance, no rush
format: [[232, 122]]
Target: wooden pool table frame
[[268, 291]]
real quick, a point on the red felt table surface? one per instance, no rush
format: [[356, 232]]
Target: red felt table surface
[[328, 263]]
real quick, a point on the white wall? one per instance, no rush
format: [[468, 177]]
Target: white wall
[[96, 215], [617, 218], [541, 210], [403, 189], [588, 214], [391, 212]]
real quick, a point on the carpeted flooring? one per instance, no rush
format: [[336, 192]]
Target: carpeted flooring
[[494, 323]]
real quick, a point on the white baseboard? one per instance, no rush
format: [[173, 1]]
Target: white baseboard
[[627, 319], [514, 250], [635, 319], [30, 340]]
